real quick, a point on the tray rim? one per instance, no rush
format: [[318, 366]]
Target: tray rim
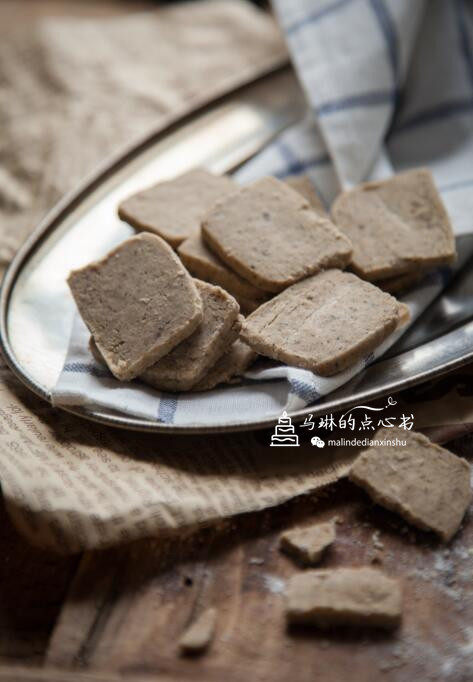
[[73, 199]]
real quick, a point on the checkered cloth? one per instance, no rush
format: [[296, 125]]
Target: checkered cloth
[[390, 86]]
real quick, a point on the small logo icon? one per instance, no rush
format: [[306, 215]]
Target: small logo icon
[[284, 433], [318, 442]]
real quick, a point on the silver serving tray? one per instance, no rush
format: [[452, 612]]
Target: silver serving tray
[[36, 308]]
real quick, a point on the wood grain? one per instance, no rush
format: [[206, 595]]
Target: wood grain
[[22, 674], [151, 592], [32, 586]]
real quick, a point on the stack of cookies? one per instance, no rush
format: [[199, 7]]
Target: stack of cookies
[[165, 305]]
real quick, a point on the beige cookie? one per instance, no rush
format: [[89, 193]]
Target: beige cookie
[[187, 364], [173, 209], [424, 483], [304, 185], [401, 283], [203, 263], [190, 361], [138, 302], [232, 364], [308, 544], [325, 323], [396, 226], [200, 633], [267, 233], [344, 596]]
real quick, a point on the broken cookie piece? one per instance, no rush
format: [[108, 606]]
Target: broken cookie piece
[[304, 185], [199, 634], [268, 234], [325, 323], [174, 209], [308, 544], [138, 302], [424, 483], [202, 263], [232, 364], [396, 226], [344, 596]]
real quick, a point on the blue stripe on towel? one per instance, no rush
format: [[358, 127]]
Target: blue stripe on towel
[[461, 184], [294, 166], [315, 16], [388, 29], [167, 408], [366, 99], [441, 112], [86, 368], [304, 390]]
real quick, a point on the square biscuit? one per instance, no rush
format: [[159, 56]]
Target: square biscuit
[[396, 226], [138, 302], [425, 484], [232, 364], [173, 209], [401, 283], [324, 323], [304, 185], [204, 264], [344, 596], [267, 233], [189, 362]]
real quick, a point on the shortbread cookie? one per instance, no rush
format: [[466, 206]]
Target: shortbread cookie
[[424, 483], [202, 263], [174, 209], [344, 596], [308, 544], [396, 226], [189, 362], [232, 364], [138, 302], [247, 306], [401, 283], [304, 185], [200, 633], [268, 234], [325, 323]]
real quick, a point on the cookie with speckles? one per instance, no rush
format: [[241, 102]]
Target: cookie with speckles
[[173, 209], [304, 185], [396, 226], [401, 283], [198, 636], [189, 362], [361, 596], [268, 234], [325, 323], [138, 302], [203, 263], [231, 365], [424, 483], [308, 544]]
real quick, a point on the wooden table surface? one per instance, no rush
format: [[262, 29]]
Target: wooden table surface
[[121, 611]]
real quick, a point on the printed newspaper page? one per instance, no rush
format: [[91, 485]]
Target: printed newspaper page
[[70, 484]]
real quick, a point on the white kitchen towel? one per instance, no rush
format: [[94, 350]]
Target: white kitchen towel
[[390, 86]]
